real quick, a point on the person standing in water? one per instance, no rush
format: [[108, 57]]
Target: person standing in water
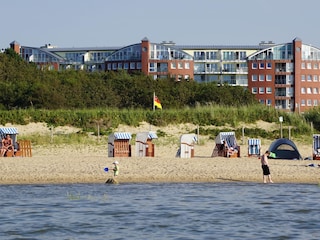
[[115, 168], [265, 168]]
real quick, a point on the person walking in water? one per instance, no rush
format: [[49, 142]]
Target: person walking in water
[[115, 168], [265, 168]]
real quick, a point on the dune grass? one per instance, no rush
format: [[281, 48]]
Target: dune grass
[[210, 120]]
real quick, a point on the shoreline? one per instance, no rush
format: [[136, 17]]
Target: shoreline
[[69, 168]]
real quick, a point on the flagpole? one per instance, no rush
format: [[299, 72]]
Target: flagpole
[[154, 95]]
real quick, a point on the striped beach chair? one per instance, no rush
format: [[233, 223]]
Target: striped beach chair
[[316, 147], [119, 144], [230, 139], [254, 147]]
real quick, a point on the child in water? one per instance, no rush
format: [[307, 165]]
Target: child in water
[[116, 168]]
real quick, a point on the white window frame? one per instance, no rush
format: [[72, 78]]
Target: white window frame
[[309, 65], [268, 102], [268, 90], [254, 77], [254, 90], [315, 91], [309, 78], [315, 102], [261, 90], [315, 78], [269, 65], [309, 102], [261, 65], [261, 78], [309, 90], [269, 78], [254, 65]]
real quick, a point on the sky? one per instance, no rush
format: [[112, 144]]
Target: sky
[[117, 23]]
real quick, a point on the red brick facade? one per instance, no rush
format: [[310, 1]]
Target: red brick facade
[[286, 80]]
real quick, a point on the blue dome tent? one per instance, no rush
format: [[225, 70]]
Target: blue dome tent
[[284, 148]]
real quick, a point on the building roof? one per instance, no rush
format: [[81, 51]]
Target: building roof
[[204, 47], [81, 49]]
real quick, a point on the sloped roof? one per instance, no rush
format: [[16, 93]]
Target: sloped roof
[[8, 130], [122, 135]]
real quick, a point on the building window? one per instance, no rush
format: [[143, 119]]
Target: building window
[[173, 65], [268, 102], [303, 65], [303, 90], [126, 66], [309, 78], [268, 90], [261, 90], [261, 101], [315, 91], [261, 77], [187, 77], [303, 78], [254, 90], [309, 90], [254, 78], [303, 102], [180, 66], [152, 67], [269, 78], [138, 65], [309, 102], [119, 65], [114, 66], [261, 65], [315, 66], [109, 66], [132, 65], [308, 65], [254, 65], [315, 78], [187, 65], [269, 65], [315, 102]]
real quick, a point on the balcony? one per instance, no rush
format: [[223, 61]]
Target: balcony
[[283, 97]]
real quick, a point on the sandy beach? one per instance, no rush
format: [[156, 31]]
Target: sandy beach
[[85, 164]]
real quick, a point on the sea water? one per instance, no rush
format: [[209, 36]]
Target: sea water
[[236, 210]]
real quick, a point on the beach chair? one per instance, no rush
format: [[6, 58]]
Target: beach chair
[[13, 132], [144, 145], [254, 147], [232, 150], [316, 147], [119, 144], [187, 142]]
